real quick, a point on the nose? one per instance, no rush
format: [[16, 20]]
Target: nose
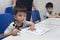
[[22, 17]]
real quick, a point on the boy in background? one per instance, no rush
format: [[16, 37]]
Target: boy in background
[[49, 11]]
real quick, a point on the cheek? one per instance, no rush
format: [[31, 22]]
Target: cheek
[[48, 10], [25, 18], [18, 18], [15, 17]]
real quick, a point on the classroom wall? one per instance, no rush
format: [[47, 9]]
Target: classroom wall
[[4, 4], [40, 4]]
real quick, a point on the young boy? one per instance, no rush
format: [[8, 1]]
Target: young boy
[[20, 22], [49, 10]]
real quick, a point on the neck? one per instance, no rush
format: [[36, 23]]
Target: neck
[[18, 23], [50, 13]]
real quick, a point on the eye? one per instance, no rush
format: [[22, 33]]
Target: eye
[[24, 15], [20, 15]]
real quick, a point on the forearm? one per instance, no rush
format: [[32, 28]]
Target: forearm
[[7, 34], [13, 2], [50, 16]]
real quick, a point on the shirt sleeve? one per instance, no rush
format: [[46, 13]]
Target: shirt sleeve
[[46, 14], [26, 24], [9, 28]]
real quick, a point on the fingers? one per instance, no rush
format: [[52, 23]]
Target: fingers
[[32, 29], [15, 31]]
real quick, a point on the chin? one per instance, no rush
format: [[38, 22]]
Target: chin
[[22, 21]]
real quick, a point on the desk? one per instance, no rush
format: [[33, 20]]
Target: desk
[[54, 34], [52, 21]]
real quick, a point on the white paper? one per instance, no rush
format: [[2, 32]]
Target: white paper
[[38, 31]]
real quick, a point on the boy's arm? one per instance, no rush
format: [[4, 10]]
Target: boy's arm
[[13, 2], [51, 16], [14, 33], [10, 30], [32, 27], [7, 34]]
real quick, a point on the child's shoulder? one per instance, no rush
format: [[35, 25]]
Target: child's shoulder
[[11, 23], [27, 22]]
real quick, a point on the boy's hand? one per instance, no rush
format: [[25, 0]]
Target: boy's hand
[[14, 32], [32, 28]]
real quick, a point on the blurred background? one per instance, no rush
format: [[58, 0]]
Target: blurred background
[[40, 5]]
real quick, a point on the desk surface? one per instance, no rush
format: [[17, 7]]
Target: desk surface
[[52, 21], [54, 34]]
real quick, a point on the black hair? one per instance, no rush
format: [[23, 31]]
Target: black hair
[[20, 9], [49, 5]]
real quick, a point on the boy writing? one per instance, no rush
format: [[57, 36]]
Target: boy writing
[[20, 22]]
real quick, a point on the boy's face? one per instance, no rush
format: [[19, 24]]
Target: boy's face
[[49, 9], [20, 17]]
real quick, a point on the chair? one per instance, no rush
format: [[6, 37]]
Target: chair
[[35, 16], [9, 10], [5, 20]]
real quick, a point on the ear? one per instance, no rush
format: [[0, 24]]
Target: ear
[[14, 16]]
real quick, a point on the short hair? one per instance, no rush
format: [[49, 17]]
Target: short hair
[[19, 9], [49, 5]]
